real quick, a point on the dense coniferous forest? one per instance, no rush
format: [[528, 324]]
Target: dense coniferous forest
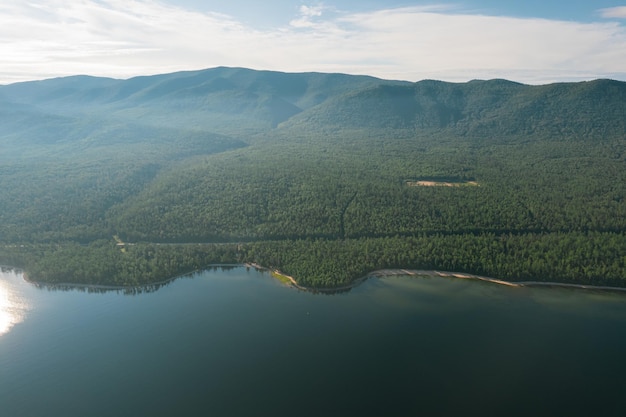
[[325, 177]]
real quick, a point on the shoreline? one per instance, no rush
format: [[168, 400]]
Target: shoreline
[[75, 285], [380, 273], [294, 284], [463, 275]]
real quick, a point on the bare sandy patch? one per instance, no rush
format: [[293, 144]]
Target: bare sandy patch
[[441, 184]]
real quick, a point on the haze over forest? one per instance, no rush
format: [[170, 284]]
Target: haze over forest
[[313, 174]]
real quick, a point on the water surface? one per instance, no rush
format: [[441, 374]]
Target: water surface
[[237, 343]]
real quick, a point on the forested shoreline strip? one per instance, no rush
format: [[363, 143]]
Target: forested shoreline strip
[[586, 259], [150, 287], [292, 282]]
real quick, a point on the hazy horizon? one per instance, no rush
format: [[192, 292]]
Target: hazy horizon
[[533, 43]]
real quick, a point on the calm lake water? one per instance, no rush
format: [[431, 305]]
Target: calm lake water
[[237, 343]]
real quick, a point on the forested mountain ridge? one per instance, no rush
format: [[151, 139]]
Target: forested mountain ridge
[[263, 96], [335, 99], [314, 174], [480, 108]]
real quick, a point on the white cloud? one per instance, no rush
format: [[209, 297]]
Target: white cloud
[[308, 17], [122, 38], [614, 12], [442, 45], [311, 10]]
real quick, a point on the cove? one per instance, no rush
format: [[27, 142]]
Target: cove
[[236, 342]]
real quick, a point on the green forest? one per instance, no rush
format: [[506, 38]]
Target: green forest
[[132, 182]]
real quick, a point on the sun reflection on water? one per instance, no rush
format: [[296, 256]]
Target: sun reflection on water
[[12, 307]]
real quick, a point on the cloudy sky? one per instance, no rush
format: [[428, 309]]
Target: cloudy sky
[[534, 41]]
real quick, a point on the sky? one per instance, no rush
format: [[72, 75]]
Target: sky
[[530, 41]]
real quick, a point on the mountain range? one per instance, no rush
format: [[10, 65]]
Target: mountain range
[[220, 97]]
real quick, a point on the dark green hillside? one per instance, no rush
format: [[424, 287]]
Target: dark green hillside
[[479, 108], [324, 176], [222, 99]]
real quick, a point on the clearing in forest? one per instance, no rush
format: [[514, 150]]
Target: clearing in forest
[[441, 183]]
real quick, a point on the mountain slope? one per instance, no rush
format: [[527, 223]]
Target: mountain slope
[[239, 94], [478, 108]]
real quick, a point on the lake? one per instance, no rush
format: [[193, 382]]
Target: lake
[[236, 342]]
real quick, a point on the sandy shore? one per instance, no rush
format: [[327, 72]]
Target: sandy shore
[[396, 272], [292, 280], [432, 273]]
